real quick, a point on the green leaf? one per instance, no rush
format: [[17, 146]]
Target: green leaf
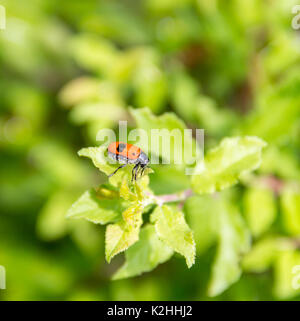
[[290, 203], [144, 255], [132, 213], [171, 129], [262, 255], [224, 164], [202, 215], [286, 274], [168, 179], [137, 200], [94, 53], [97, 208], [172, 229], [281, 162], [99, 157], [119, 237], [234, 240], [260, 209], [79, 90]]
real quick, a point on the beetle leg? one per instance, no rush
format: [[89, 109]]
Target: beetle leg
[[117, 170], [143, 170], [133, 175], [136, 171]]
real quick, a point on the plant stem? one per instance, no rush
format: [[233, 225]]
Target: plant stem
[[176, 197]]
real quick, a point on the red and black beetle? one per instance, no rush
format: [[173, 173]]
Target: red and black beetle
[[128, 154]]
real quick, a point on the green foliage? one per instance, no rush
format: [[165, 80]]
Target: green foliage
[[71, 68], [260, 209], [224, 164], [226, 226], [171, 228], [262, 255], [171, 129], [145, 255], [202, 214], [290, 201], [284, 274], [119, 237], [233, 241], [100, 207]]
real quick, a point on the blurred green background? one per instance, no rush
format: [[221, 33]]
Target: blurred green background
[[72, 67]]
